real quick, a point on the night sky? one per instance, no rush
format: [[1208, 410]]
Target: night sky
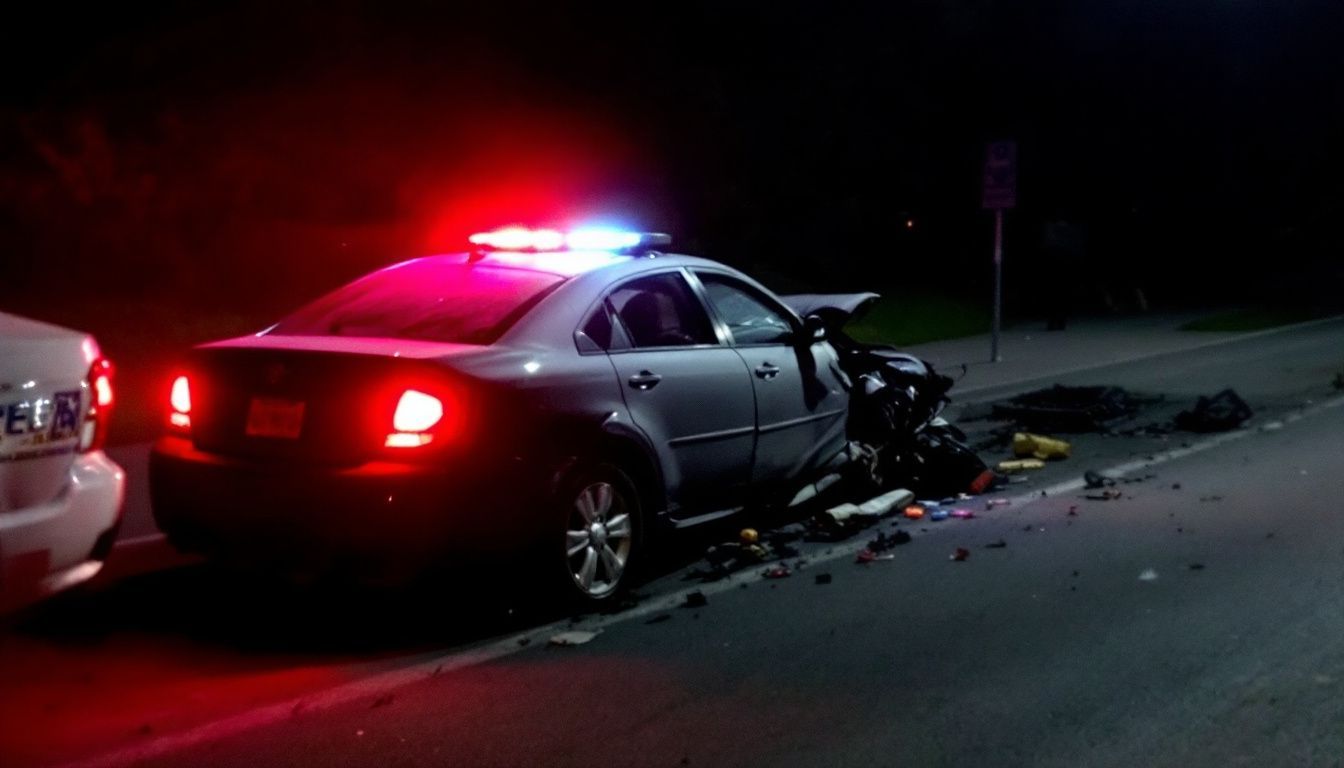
[[257, 154]]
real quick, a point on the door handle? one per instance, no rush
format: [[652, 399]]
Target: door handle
[[767, 371], [645, 380]]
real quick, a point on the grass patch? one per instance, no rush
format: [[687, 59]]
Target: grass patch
[[1254, 319], [908, 320]]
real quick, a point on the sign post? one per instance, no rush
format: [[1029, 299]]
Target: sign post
[[999, 193]]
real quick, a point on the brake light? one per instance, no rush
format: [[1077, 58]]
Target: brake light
[[94, 432], [417, 413], [180, 400]]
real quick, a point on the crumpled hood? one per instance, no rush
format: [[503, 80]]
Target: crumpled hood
[[835, 309]]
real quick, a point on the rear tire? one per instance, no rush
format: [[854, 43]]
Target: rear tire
[[602, 533]]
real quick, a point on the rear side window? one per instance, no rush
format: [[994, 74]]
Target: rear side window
[[431, 299], [661, 311]]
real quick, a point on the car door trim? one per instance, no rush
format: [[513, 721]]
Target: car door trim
[[704, 437], [800, 421]]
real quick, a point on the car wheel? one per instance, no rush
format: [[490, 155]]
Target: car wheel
[[603, 532]]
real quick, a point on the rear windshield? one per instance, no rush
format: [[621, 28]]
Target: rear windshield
[[431, 299]]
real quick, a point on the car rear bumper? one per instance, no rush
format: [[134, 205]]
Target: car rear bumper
[[55, 545], [380, 519]]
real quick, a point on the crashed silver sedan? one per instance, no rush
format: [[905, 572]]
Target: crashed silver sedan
[[556, 396]]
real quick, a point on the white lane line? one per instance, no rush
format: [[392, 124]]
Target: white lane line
[[385, 682]]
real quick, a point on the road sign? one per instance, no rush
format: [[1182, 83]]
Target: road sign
[[1000, 177]]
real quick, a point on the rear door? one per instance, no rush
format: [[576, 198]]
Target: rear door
[[691, 394], [800, 407]]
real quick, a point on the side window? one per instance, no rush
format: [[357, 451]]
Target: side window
[[661, 311], [595, 334], [750, 319]]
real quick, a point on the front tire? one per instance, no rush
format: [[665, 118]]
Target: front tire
[[602, 532]]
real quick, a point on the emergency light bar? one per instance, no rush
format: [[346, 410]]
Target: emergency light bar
[[585, 239]]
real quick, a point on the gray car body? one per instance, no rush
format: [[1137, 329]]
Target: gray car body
[[714, 435]]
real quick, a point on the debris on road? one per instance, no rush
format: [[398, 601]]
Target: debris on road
[[695, 599], [574, 637], [1196, 566], [1026, 444], [992, 503], [876, 507], [866, 556], [963, 514], [748, 536], [883, 542], [1148, 574], [1000, 544], [822, 578], [1220, 413], [1069, 409], [1110, 494], [938, 514], [1020, 465], [1097, 480], [778, 572], [960, 555], [913, 512]]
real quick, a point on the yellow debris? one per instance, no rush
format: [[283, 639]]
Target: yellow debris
[[1040, 447]]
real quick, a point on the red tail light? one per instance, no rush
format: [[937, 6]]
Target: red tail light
[[94, 434], [417, 413], [180, 400]]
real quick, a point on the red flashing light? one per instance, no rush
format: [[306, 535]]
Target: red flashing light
[[582, 239], [520, 239]]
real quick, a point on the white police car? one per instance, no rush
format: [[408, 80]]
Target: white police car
[[60, 495]]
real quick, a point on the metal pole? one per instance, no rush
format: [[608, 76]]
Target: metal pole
[[998, 284]]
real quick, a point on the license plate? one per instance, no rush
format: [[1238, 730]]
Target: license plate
[[269, 417]]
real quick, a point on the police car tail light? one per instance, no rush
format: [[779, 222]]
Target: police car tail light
[[417, 413], [93, 434], [180, 400]]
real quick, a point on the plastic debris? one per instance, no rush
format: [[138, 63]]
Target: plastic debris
[[823, 578], [1220, 413], [748, 536], [883, 542], [1020, 465], [913, 512], [1196, 566], [1097, 480], [938, 514], [1110, 494], [1040, 447], [1000, 544], [779, 572], [992, 503], [866, 556], [574, 637], [963, 514], [960, 555], [1148, 575], [695, 599], [873, 508]]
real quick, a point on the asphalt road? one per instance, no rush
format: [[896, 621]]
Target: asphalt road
[[1194, 621]]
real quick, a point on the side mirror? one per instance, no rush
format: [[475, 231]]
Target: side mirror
[[814, 329]]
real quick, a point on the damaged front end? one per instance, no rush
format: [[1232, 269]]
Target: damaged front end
[[896, 401]]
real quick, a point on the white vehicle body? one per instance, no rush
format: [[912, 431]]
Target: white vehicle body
[[60, 495]]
